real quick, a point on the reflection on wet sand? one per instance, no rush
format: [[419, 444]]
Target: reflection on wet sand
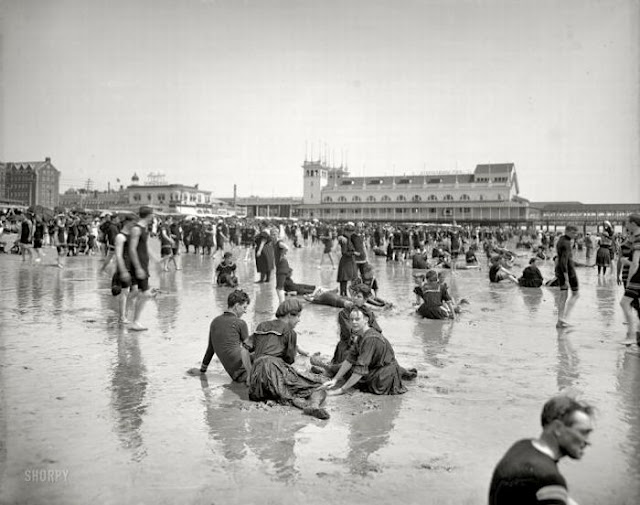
[[226, 417], [57, 298], [272, 438], [629, 405], [568, 367], [435, 336], [22, 288], [606, 303], [128, 388], [369, 431], [239, 424], [532, 297], [167, 302]]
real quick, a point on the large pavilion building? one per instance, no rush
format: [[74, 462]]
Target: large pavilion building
[[488, 195]]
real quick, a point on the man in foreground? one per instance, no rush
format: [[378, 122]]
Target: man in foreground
[[528, 473], [227, 333]]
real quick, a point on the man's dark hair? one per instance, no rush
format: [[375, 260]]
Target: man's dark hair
[[571, 227], [237, 296], [562, 408]]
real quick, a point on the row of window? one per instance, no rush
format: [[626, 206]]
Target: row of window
[[488, 179], [433, 180], [161, 197], [427, 212], [401, 210], [402, 198]]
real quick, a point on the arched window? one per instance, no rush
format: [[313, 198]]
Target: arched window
[[342, 199], [499, 196], [481, 197], [432, 198], [328, 199], [401, 198], [356, 199], [371, 199], [385, 198], [464, 197], [416, 198], [448, 197]]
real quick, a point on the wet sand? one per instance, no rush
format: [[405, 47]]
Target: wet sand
[[91, 412]]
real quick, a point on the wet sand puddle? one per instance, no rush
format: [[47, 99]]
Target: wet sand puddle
[[114, 409]]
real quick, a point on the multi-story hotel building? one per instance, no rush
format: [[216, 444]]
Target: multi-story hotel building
[[31, 182], [174, 198], [488, 195]]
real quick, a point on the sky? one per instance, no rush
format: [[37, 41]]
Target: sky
[[240, 92]]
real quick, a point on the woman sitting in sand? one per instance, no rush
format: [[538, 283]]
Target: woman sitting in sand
[[531, 276], [271, 376]]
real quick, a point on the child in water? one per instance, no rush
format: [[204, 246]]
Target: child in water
[[436, 301], [226, 272]]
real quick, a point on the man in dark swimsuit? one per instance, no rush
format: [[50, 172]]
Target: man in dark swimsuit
[[26, 237], [110, 230], [227, 333], [566, 274], [528, 473], [138, 263]]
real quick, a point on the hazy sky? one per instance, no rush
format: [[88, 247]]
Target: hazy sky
[[218, 92]]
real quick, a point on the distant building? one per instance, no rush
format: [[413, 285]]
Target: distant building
[[174, 198], [95, 200], [30, 182], [585, 215], [488, 195], [256, 206]]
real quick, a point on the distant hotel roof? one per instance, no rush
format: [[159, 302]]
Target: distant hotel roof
[[25, 165], [167, 186], [492, 168], [443, 177]]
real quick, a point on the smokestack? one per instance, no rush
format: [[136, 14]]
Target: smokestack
[[235, 194]]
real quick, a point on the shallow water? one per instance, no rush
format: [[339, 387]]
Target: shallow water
[[93, 412]]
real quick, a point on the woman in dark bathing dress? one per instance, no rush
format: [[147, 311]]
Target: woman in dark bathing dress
[[265, 257], [271, 376]]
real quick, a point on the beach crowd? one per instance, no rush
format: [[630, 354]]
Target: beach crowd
[[263, 358]]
